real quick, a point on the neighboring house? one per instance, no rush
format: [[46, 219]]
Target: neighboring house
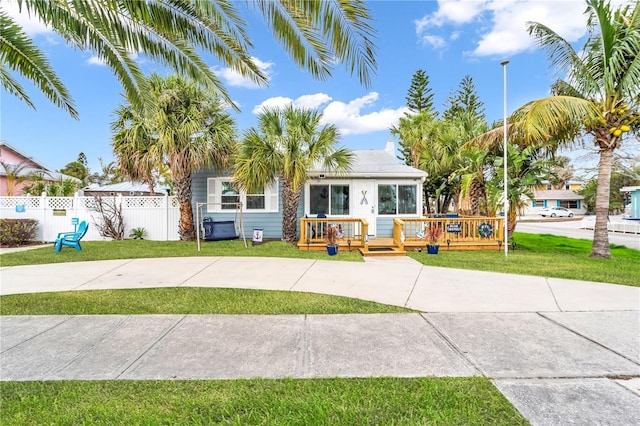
[[26, 165], [634, 206], [545, 195], [378, 188], [124, 188]]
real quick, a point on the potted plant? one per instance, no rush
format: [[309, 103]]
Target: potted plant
[[332, 240], [432, 234]]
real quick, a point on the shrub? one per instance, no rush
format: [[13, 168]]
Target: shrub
[[16, 232], [110, 221], [138, 233]]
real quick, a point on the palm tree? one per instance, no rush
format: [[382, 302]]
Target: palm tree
[[184, 126], [15, 175], [316, 34], [286, 145], [600, 97], [526, 168]]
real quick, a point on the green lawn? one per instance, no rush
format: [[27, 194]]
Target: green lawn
[[545, 255], [372, 401], [540, 255], [185, 300], [135, 249]]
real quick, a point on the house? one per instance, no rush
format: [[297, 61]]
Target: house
[[378, 188], [546, 195], [634, 205], [124, 188], [17, 166]]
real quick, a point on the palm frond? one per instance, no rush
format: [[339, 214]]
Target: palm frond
[[316, 33], [19, 53]]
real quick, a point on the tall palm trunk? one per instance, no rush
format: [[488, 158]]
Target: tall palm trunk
[[186, 228], [478, 198], [290, 202], [600, 246], [512, 218]]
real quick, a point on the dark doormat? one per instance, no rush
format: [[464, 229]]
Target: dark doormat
[[380, 249]]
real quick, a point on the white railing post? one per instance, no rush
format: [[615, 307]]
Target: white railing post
[[165, 212], [43, 215]]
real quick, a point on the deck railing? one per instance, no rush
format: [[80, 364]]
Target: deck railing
[[351, 231], [456, 230]]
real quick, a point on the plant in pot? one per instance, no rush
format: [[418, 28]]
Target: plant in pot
[[332, 240], [432, 234]]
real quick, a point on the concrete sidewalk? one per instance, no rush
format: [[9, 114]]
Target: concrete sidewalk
[[399, 281], [561, 351]]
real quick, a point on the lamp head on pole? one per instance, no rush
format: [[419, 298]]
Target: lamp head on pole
[[503, 63]]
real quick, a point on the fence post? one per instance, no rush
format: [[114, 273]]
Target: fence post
[[43, 214], [165, 222]]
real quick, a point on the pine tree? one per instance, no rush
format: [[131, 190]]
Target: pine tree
[[420, 96], [465, 100]]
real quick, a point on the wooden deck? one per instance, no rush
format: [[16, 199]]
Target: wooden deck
[[460, 233]]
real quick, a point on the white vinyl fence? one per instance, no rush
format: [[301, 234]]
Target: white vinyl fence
[[624, 226], [159, 216]]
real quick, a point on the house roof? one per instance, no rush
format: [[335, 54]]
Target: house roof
[[630, 188], [27, 158], [33, 165], [48, 175], [375, 163], [557, 194], [125, 187]]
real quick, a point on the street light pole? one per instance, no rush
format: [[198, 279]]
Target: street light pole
[[504, 147]]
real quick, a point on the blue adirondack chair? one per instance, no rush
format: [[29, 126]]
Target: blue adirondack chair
[[71, 239]]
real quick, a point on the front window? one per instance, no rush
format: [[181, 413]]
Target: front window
[[332, 199], [223, 194], [397, 199], [229, 195], [569, 204], [387, 199], [406, 199], [256, 201]]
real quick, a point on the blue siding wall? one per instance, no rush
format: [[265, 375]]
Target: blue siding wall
[[270, 222]]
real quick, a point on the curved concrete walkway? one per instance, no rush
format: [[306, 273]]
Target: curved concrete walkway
[[561, 351]]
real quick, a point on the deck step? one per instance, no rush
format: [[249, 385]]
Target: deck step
[[382, 251]]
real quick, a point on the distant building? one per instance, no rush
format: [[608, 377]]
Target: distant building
[[14, 159], [547, 195], [634, 205], [124, 188]]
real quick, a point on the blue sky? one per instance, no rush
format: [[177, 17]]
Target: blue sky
[[447, 39]]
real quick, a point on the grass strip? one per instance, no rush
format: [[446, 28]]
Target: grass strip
[[186, 300], [138, 249], [370, 401], [545, 255]]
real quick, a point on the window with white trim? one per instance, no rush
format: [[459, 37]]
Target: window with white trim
[[397, 199], [330, 199], [222, 190]]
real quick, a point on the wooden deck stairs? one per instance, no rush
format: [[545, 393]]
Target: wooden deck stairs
[[382, 247]]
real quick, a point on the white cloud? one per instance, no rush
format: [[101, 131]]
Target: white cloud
[[272, 103], [305, 101], [508, 34], [348, 117], [30, 24], [451, 11], [94, 60], [436, 42], [501, 25], [233, 78], [312, 101]]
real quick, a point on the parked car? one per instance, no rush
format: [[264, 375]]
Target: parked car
[[556, 211]]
